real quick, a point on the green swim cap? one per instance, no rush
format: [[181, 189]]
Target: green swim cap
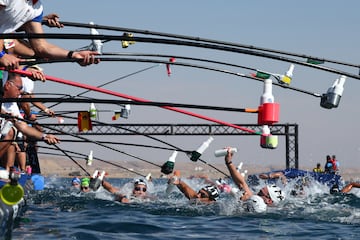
[[85, 182]]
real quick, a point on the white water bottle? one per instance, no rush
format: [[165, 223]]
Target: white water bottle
[[195, 155], [95, 174], [168, 166], [148, 177], [96, 43], [239, 167], [90, 159], [223, 152], [92, 110], [102, 175], [286, 79], [267, 96], [205, 145]]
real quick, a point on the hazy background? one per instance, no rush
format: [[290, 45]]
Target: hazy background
[[327, 29]]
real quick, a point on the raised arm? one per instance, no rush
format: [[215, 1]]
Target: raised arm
[[238, 179]]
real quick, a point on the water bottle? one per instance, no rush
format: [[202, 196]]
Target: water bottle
[[332, 98], [92, 110], [168, 167], [267, 96], [195, 155], [223, 152], [286, 79], [90, 159], [96, 43]]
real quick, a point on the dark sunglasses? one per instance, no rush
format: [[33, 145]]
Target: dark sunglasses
[[17, 86], [140, 189], [85, 188]]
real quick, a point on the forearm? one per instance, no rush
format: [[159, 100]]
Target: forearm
[[21, 49], [45, 49], [186, 190], [349, 186], [25, 106], [28, 131], [109, 187], [237, 177], [42, 47], [40, 106]]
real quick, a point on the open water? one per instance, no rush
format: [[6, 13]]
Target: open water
[[60, 213]]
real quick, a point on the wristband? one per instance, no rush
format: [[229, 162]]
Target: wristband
[[2, 53], [43, 137], [70, 54], [228, 163], [46, 110]]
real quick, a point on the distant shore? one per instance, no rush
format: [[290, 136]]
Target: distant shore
[[66, 168]]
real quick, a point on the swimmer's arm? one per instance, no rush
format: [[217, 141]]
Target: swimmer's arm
[[186, 190], [348, 187], [238, 179], [110, 187]]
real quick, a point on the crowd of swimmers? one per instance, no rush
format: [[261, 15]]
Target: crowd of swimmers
[[267, 195]]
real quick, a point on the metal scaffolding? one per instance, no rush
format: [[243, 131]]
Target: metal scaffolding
[[290, 131]]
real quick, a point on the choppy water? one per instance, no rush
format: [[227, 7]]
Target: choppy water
[[58, 213]]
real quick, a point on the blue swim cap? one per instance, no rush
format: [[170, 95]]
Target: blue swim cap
[[76, 180]]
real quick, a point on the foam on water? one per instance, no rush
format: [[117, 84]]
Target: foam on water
[[59, 213]]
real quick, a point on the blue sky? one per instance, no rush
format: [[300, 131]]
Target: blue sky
[[327, 29]]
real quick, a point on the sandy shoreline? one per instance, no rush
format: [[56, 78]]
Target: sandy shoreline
[[63, 167]]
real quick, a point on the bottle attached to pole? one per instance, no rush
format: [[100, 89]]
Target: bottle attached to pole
[[267, 140], [168, 166], [268, 110], [331, 98], [93, 111], [125, 112], [96, 44], [96, 181], [195, 155], [286, 79], [267, 96], [89, 160]]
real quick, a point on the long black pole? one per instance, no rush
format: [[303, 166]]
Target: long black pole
[[176, 42], [198, 39], [120, 59], [72, 159], [115, 101]]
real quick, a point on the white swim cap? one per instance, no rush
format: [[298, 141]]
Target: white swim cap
[[256, 204], [276, 194]]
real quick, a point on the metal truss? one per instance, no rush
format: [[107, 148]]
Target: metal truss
[[290, 131]]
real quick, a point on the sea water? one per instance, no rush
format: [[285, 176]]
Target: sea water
[[58, 212]]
